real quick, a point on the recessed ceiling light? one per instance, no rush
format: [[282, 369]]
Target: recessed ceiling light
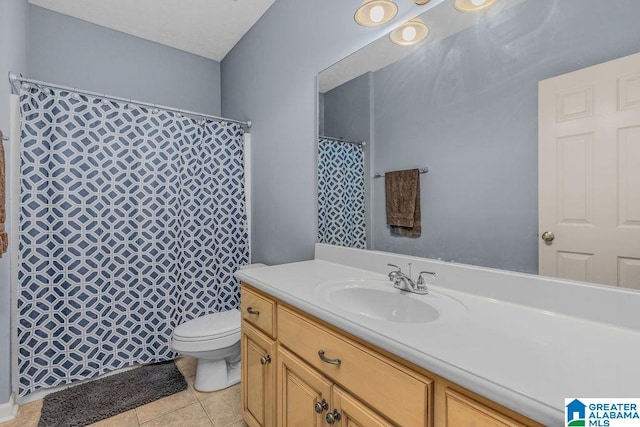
[[473, 5], [409, 33], [375, 12]]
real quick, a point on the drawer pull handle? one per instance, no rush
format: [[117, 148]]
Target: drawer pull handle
[[250, 310], [265, 359], [327, 360], [334, 416], [320, 407]]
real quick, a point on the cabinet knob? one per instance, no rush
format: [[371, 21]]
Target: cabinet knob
[[321, 406], [334, 416], [265, 359], [250, 310]]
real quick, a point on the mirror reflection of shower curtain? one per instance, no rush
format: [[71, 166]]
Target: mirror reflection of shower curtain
[[341, 196], [132, 220]]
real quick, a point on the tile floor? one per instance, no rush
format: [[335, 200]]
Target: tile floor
[[189, 408]]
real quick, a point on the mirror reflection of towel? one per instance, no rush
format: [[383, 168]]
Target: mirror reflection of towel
[[402, 191]]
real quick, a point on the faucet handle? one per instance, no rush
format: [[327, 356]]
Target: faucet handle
[[395, 266], [421, 281], [393, 275]]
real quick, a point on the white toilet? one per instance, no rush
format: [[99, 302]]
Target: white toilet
[[214, 340]]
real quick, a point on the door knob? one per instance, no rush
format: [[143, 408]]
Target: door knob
[[265, 359], [548, 237]]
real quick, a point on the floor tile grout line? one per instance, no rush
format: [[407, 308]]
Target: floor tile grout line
[[213, 423], [167, 413], [140, 423], [207, 414]]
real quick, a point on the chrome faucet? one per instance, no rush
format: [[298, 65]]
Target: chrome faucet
[[404, 281]]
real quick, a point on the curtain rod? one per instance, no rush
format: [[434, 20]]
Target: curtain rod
[[13, 78], [342, 140]]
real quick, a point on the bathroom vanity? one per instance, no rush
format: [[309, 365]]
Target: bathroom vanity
[[330, 341], [299, 373]]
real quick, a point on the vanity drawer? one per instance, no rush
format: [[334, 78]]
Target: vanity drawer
[[462, 410], [401, 395], [259, 310]]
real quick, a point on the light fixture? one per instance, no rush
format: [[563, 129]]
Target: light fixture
[[473, 5], [375, 12], [421, 2], [410, 32]]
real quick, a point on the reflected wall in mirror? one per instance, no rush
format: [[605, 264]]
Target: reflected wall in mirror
[[465, 104]]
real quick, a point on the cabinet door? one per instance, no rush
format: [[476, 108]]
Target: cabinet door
[[258, 368], [354, 413], [304, 394]]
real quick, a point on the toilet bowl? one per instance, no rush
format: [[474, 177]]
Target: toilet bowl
[[214, 340]]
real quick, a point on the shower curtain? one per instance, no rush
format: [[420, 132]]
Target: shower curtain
[[341, 208], [132, 220]]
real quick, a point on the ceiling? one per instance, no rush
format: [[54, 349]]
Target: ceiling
[[208, 28]]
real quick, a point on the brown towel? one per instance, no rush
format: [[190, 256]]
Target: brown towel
[[4, 237], [402, 191]]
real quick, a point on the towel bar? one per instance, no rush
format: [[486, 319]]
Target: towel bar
[[421, 170]]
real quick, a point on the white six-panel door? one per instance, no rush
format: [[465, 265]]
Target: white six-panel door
[[589, 174]]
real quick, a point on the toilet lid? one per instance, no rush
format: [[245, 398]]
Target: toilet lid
[[211, 325]]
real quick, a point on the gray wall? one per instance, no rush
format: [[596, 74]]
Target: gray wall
[[13, 43], [71, 52], [346, 112], [270, 78], [473, 120]]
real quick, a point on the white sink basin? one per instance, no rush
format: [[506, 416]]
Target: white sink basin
[[376, 299]]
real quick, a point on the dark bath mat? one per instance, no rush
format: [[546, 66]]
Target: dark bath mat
[[96, 400]]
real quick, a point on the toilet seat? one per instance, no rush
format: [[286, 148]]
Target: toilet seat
[[213, 331], [210, 326]]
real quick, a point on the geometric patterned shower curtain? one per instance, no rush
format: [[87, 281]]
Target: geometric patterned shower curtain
[[341, 206], [132, 220]]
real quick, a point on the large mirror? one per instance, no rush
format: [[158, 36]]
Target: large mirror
[[467, 104]]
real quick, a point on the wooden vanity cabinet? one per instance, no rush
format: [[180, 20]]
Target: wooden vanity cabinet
[[306, 398], [259, 310], [354, 413], [258, 347], [464, 411], [303, 381], [304, 394], [397, 393]]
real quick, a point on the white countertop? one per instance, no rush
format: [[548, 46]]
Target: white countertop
[[524, 358]]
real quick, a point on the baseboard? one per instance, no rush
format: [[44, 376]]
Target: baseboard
[[8, 410]]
